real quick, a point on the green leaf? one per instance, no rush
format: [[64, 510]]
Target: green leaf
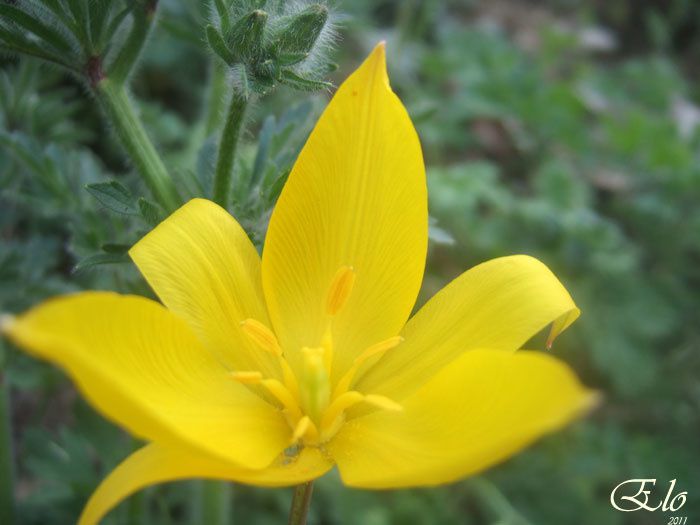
[[35, 26], [222, 11], [150, 212], [115, 248], [113, 25], [99, 259], [291, 79], [114, 196], [290, 59], [218, 45]]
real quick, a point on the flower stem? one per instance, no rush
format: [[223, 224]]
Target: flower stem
[[301, 503], [227, 146], [213, 502], [138, 146], [215, 97], [7, 509]]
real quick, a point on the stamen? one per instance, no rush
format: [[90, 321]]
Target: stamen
[[290, 379], [383, 402], [283, 395], [340, 289], [300, 429], [327, 344], [334, 417], [338, 406], [379, 349], [261, 335], [247, 377], [374, 350]]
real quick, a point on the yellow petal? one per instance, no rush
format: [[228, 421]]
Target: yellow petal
[[157, 464], [143, 367], [204, 268], [499, 304], [481, 409], [355, 201]]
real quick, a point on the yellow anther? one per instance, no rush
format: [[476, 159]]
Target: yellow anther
[[379, 349], [338, 406], [383, 402], [261, 335], [340, 289], [247, 377]]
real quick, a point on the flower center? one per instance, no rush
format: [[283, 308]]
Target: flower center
[[314, 408]]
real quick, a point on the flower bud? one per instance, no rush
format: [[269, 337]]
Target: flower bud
[[246, 35], [300, 33]]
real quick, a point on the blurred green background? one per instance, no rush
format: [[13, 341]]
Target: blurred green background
[[565, 130]]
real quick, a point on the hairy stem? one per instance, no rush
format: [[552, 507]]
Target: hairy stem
[[301, 503], [138, 146], [7, 509], [215, 97], [227, 147]]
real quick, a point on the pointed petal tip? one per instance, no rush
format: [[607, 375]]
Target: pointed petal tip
[[377, 60], [592, 401], [6, 323]]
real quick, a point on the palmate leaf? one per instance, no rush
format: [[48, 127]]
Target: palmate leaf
[[35, 26], [114, 196], [150, 212], [99, 259]]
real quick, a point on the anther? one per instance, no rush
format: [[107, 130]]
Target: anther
[[340, 289], [261, 335], [247, 377]]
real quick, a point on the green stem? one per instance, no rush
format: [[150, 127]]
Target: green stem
[[7, 508], [142, 22], [215, 97], [301, 503], [227, 147], [213, 503], [138, 146]]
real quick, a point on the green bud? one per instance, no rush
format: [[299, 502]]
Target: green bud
[[246, 36], [300, 33]]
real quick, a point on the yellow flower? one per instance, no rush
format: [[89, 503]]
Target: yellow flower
[[271, 371]]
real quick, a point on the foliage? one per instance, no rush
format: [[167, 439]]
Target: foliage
[[584, 157]]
